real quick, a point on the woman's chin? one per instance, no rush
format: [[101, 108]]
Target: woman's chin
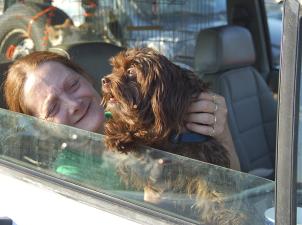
[[91, 125]]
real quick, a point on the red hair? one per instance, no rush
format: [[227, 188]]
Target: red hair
[[17, 75]]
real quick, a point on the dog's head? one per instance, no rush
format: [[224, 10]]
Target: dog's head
[[147, 95]]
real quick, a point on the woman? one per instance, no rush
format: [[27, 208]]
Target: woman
[[51, 87]]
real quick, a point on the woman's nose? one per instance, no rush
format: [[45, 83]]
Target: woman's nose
[[72, 104]]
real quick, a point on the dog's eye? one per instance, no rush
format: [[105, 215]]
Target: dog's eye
[[131, 74]]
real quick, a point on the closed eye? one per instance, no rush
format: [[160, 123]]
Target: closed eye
[[74, 85], [53, 109]]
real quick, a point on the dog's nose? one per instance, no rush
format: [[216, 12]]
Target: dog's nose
[[105, 80]]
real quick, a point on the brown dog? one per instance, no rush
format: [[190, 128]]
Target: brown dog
[[148, 97]]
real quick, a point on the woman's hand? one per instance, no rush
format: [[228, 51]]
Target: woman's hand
[[208, 115]]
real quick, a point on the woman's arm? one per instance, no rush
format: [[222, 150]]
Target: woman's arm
[[208, 115]]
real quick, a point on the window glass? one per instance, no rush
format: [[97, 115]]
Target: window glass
[[169, 26], [175, 185], [274, 18]]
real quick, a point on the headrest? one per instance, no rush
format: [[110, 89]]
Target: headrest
[[222, 48], [93, 57]]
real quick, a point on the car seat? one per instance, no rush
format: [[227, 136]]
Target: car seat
[[93, 57], [225, 56]]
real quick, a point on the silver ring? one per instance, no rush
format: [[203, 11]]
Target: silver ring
[[216, 107], [215, 120], [213, 132], [214, 98]]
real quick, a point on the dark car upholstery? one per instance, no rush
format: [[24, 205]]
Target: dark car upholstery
[[225, 56]]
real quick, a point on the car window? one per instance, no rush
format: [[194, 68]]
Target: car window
[[169, 26], [274, 18], [79, 157]]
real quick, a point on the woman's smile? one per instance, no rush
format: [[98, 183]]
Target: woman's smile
[[58, 94]]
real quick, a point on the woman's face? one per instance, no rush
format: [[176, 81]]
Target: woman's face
[[56, 93]]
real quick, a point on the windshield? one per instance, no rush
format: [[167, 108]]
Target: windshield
[[187, 188]]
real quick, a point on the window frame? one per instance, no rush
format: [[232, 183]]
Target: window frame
[[288, 115]]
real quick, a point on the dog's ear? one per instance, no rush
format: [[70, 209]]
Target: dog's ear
[[172, 89], [170, 99], [161, 120]]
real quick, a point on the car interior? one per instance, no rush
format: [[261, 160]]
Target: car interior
[[226, 56], [235, 60]]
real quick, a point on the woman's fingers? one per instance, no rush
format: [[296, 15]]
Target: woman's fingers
[[203, 118], [206, 102], [206, 125], [210, 96], [202, 106], [207, 115], [201, 129]]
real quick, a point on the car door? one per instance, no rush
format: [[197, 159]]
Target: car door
[[48, 167]]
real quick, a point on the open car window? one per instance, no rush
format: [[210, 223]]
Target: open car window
[[79, 157], [274, 10]]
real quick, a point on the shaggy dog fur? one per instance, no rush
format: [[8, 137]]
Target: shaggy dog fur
[[188, 188], [148, 97]]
